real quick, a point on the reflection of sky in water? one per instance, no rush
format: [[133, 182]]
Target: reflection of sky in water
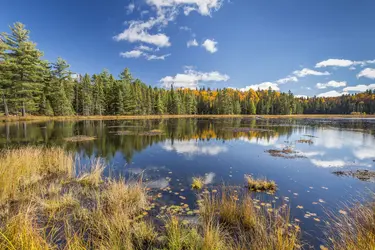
[[189, 148]]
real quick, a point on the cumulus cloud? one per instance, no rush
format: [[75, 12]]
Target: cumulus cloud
[[210, 45], [332, 93], [261, 86], [305, 72], [367, 72], [131, 54], [359, 88], [287, 79], [138, 31], [192, 43], [203, 7], [155, 57], [332, 84], [342, 63], [191, 78]]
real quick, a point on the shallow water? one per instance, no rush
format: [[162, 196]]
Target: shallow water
[[222, 151]]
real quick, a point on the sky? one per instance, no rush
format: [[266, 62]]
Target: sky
[[320, 47]]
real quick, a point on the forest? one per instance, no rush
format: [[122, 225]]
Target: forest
[[31, 85]]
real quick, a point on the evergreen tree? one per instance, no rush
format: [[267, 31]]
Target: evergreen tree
[[86, 95], [21, 60]]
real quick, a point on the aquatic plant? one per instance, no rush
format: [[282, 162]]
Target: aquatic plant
[[259, 184], [197, 183]]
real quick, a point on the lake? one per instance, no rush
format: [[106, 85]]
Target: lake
[[168, 153]]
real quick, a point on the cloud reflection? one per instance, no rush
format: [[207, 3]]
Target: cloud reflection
[[193, 148]]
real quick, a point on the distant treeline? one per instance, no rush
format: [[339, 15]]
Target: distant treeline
[[31, 85]]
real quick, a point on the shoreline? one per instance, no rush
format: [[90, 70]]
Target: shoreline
[[4, 119]]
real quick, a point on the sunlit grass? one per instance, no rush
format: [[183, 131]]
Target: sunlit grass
[[353, 228], [197, 183], [260, 184]]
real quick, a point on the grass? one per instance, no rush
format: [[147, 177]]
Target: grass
[[353, 228], [197, 183], [286, 152], [306, 141], [45, 205], [260, 185], [241, 223]]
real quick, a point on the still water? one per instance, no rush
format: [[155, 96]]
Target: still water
[[222, 151]]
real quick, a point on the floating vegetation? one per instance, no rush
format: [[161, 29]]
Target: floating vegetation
[[287, 153], [306, 141], [259, 185], [363, 175], [197, 183], [80, 138]]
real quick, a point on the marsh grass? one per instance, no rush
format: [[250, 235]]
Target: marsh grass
[[260, 185], [352, 228], [241, 223]]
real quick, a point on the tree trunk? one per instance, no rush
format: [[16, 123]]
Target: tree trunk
[[23, 109], [6, 111]]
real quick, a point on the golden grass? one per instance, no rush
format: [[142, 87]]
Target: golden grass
[[353, 228], [22, 169], [260, 185], [242, 223], [197, 183]]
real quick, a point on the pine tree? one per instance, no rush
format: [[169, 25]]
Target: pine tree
[[22, 62], [86, 95], [173, 102], [59, 87], [252, 108], [98, 95]]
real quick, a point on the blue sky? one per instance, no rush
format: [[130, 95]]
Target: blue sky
[[320, 47]]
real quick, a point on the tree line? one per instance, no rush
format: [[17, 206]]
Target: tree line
[[30, 85]]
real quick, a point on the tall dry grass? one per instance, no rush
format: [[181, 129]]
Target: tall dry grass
[[353, 228]]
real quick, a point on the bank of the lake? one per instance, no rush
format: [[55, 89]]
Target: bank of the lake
[[138, 117]]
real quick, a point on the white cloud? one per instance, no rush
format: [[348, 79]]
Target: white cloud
[[333, 84], [287, 79], [155, 57], [305, 72], [328, 164], [342, 63], [191, 78], [130, 8], [261, 86], [332, 93], [334, 63], [144, 12], [359, 88], [368, 73], [192, 43], [136, 53], [210, 45], [203, 7], [131, 54], [143, 47]]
